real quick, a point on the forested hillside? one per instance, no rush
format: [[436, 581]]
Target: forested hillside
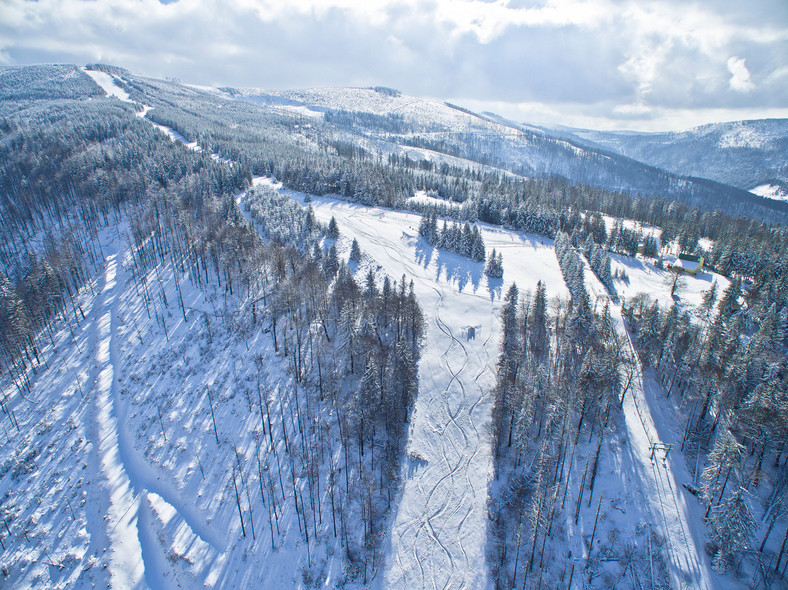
[[347, 337], [93, 197], [745, 154]]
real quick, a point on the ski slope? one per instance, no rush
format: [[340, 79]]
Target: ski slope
[[107, 83], [648, 473], [438, 534]]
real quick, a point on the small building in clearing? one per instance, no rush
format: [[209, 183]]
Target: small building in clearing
[[688, 263]]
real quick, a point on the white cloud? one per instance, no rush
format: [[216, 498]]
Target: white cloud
[[623, 60], [740, 76]]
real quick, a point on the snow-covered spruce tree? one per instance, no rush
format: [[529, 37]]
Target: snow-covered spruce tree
[[537, 324], [332, 233], [494, 268], [599, 260], [331, 262], [571, 266], [355, 252], [477, 249], [733, 527], [650, 249], [507, 367], [428, 227], [405, 379]]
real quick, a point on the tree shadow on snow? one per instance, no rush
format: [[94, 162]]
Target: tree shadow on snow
[[424, 252], [630, 262], [460, 269], [495, 287]]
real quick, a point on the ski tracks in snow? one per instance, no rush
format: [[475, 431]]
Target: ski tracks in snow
[[439, 532]]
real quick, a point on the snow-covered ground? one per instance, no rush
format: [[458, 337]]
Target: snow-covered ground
[[644, 277], [646, 482], [107, 84], [438, 535], [770, 191], [115, 480]]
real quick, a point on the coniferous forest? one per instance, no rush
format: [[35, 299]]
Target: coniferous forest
[[206, 278]]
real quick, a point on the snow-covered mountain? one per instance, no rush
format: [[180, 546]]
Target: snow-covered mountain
[[712, 167], [746, 154], [249, 340]]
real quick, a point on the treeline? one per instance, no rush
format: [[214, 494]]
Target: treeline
[[728, 374], [558, 391]]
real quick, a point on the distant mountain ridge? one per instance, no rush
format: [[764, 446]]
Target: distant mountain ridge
[[384, 122], [689, 169], [750, 155]]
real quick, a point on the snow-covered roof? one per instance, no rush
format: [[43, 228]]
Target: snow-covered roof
[[688, 263]]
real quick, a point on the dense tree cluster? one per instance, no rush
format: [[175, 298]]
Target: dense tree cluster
[[729, 374], [571, 267], [599, 261], [280, 218], [559, 379], [462, 239]]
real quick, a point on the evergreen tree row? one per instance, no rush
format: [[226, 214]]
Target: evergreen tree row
[[571, 267], [556, 401], [462, 239], [599, 261]]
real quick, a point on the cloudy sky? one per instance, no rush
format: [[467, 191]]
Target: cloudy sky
[[637, 64]]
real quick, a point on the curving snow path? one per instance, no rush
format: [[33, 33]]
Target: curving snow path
[[126, 566], [122, 518]]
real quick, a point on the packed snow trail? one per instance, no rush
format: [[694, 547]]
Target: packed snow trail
[[656, 482], [126, 565], [136, 557], [668, 508]]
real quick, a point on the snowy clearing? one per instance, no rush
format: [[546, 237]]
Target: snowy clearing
[[770, 191], [439, 532], [107, 84]]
